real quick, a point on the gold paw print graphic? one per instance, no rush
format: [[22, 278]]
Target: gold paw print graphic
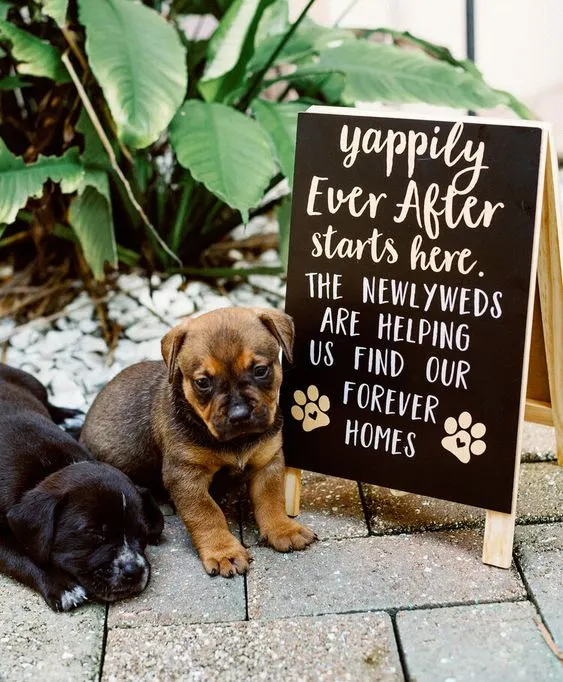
[[464, 440], [311, 409]]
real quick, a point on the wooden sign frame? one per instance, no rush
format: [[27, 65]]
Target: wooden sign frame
[[542, 395]]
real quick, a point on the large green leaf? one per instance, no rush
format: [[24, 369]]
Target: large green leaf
[[280, 122], [4, 7], [309, 39], [20, 181], [385, 73], [12, 83], [230, 48], [35, 57], [94, 155], [91, 218], [56, 9], [225, 150], [274, 21], [139, 62]]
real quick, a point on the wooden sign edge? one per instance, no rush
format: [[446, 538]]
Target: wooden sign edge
[[550, 285], [498, 538], [499, 527]]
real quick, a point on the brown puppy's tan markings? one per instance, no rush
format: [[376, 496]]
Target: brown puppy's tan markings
[[213, 406]]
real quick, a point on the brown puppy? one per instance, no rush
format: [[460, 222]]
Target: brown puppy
[[214, 405]]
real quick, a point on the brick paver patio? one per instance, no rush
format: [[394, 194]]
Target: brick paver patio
[[395, 589]]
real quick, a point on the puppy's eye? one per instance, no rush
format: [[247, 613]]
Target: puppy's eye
[[203, 383], [261, 371]]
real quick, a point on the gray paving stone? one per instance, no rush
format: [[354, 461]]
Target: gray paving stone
[[540, 498], [330, 506], [540, 537], [353, 647], [361, 574], [540, 554], [538, 442], [39, 644], [485, 643], [180, 591]]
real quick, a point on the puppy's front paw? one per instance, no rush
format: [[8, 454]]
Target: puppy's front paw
[[62, 594], [226, 556], [288, 535]]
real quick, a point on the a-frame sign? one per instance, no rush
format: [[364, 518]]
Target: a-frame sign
[[422, 341]]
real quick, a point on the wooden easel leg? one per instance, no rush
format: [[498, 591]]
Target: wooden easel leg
[[292, 491], [499, 538], [550, 281]]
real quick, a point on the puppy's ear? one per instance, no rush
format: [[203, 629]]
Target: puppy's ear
[[154, 520], [32, 521], [281, 327], [170, 347]]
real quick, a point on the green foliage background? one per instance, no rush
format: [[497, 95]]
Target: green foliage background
[[141, 134]]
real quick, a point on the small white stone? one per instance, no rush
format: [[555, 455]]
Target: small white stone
[[93, 344], [96, 379], [89, 359], [46, 376], [156, 280], [271, 256], [121, 303], [68, 364], [195, 289], [131, 282], [65, 392], [81, 308], [267, 282], [212, 302], [88, 326], [162, 300], [149, 350], [146, 329], [174, 282], [181, 307], [14, 357], [127, 352], [6, 326], [62, 324], [24, 339], [55, 341]]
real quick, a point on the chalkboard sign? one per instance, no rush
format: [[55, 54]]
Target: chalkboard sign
[[412, 267]]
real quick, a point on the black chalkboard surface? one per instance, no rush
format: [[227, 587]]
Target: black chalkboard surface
[[412, 266]]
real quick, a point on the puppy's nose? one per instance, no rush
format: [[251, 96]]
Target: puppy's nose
[[238, 412], [131, 570]]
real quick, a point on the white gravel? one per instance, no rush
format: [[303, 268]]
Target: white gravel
[[69, 354]]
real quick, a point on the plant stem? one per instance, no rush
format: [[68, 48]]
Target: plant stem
[[229, 272], [113, 160], [183, 206], [211, 215], [256, 81], [20, 236]]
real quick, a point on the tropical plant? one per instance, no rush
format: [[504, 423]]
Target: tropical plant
[[125, 132]]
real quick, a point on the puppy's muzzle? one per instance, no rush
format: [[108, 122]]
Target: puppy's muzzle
[[241, 418], [238, 413]]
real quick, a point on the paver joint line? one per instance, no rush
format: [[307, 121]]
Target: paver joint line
[[532, 596], [399, 645]]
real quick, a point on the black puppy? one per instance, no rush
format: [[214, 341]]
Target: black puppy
[[70, 527]]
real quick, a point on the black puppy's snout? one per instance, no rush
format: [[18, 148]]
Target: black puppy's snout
[[132, 570], [239, 412]]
